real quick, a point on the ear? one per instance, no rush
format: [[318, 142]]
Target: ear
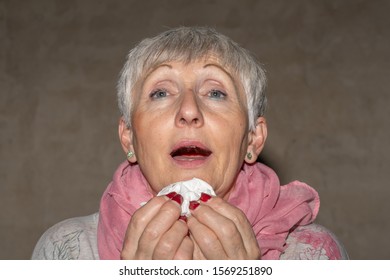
[[126, 139], [256, 141]]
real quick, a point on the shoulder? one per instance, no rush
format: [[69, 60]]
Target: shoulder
[[313, 242], [70, 239]]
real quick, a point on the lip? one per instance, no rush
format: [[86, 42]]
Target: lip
[[188, 161]]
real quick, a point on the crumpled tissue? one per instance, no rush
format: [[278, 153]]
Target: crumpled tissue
[[190, 190]]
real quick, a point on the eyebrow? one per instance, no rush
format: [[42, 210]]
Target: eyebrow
[[221, 68], [236, 83], [155, 68], [204, 67]]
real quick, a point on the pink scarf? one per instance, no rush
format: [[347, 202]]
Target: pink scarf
[[273, 210]]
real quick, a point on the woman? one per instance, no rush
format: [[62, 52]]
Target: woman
[[192, 104]]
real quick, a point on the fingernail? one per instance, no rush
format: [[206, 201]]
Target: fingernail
[[193, 205], [171, 195], [205, 197], [183, 218], [178, 198]]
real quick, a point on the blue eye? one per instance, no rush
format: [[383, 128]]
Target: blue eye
[[158, 93], [217, 94]]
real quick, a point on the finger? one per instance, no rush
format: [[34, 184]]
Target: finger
[[158, 225], [137, 224], [241, 222], [186, 250], [170, 242], [208, 242], [229, 225], [197, 255]]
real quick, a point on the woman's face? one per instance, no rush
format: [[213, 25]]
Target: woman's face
[[190, 120]]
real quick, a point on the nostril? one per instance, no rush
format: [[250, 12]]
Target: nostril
[[185, 121]]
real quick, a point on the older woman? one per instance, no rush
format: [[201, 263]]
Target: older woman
[[192, 104]]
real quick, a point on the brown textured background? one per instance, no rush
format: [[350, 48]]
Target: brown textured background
[[328, 66]]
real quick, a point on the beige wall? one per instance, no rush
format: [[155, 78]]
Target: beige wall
[[328, 68]]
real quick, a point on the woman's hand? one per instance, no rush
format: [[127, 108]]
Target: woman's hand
[[221, 231], [156, 231]]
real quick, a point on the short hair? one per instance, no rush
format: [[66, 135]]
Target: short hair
[[187, 44]]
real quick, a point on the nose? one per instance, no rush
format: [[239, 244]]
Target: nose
[[189, 113]]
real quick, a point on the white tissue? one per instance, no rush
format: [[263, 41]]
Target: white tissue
[[190, 190]]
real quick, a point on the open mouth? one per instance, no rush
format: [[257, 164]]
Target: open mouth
[[190, 153]]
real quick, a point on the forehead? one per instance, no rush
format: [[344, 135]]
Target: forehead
[[208, 63]]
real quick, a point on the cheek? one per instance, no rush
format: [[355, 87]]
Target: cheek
[[148, 138], [236, 132], [231, 142], [148, 123], [152, 134]]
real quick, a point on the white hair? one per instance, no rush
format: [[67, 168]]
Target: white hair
[[187, 44]]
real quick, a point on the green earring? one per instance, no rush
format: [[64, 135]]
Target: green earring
[[130, 154], [249, 155]]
